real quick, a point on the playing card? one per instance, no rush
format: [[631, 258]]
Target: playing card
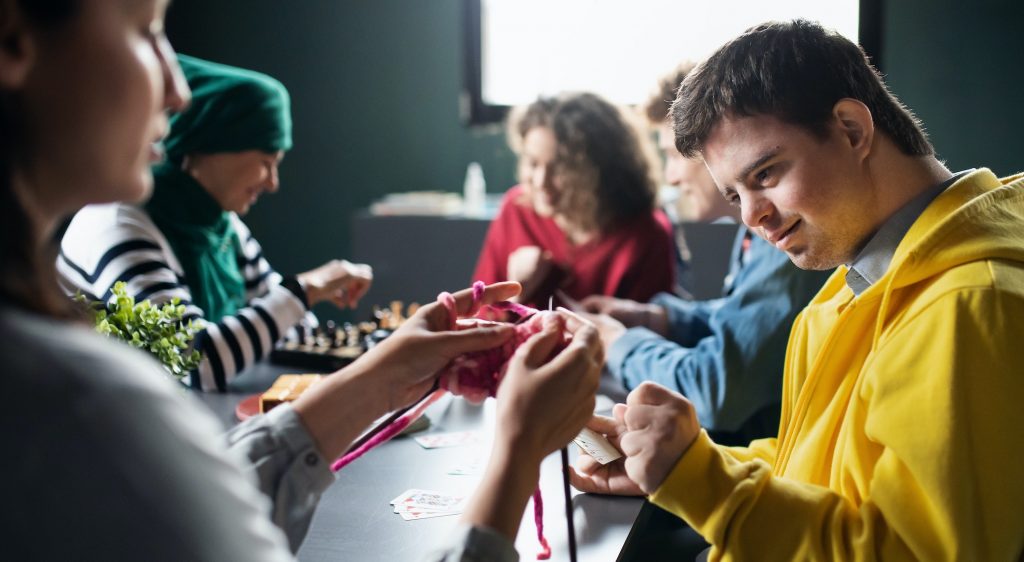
[[597, 446], [427, 500], [437, 440], [414, 515]]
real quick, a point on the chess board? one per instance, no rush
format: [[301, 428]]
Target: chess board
[[329, 347]]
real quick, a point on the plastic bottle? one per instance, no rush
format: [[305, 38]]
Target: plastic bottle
[[474, 190]]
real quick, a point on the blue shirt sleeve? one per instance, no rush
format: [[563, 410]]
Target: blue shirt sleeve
[[726, 355]]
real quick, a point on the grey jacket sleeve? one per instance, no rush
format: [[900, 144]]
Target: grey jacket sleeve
[[287, 466], [474, 544]]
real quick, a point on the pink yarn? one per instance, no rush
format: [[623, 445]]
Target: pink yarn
[[538, 520], [475, 376], [387, 433]]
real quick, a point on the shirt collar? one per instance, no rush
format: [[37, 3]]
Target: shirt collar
[[873, 261]]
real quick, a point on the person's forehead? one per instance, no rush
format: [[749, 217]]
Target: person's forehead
[[738, 140]]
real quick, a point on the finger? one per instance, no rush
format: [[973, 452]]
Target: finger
[[465, 306], [574, 321], [604, 425], [619, 413], [584, 482], [536, 350], [651, 393], [586, 464], [632, 443], [474, 339]]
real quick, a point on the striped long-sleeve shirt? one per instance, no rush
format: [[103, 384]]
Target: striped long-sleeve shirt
[[117, 242]]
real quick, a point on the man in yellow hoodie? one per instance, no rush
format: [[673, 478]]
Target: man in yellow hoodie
[[903, 399]]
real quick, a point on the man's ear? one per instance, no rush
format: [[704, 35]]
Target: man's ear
[[17, 48], [855, 124]]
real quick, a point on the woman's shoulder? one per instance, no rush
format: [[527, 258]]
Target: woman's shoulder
[[47, 357], [112, 222]]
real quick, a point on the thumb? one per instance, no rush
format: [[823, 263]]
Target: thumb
[[474, 339], [537, 350]]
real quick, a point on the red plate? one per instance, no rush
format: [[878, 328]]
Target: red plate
[[248, 407]]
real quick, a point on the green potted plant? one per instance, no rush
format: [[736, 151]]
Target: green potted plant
[[156, 329]]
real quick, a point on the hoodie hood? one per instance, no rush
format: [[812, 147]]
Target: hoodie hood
[[979, 217]]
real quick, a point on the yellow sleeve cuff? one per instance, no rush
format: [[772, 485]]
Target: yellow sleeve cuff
[[686, 492]]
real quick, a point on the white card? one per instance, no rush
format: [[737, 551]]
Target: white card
[[597, 446], [437, 440]]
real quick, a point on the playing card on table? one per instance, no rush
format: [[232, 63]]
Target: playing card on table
[[597, 446], [437, 440], [417, 500]]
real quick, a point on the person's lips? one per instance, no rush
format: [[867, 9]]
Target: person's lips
[[782, 238]]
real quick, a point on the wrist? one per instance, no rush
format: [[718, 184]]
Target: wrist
[[294, 284], [339, 408], [656, 319]]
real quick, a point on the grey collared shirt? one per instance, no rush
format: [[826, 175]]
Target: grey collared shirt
[[873, 261]]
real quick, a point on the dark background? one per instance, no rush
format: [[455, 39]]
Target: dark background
[[375, 92]]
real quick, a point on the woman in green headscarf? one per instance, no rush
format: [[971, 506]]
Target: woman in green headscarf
[[188, 242]]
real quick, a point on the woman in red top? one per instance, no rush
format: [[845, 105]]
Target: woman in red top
[[583, 218]]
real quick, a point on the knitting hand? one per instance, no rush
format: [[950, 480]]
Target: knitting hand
[[630, 313], [543, 401], [339, 281], [412, 356], [654, 429]]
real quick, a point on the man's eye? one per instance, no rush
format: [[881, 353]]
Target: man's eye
[[763, 175]]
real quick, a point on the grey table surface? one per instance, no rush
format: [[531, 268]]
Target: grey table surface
[[355, 521]]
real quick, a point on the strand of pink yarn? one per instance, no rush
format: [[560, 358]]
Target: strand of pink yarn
[[538, 520], [388, 432]]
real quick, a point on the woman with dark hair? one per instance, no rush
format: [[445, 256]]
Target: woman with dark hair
[[583, 217], [107, 458], [188, 242]]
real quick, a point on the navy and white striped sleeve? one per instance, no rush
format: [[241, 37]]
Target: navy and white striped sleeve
[[108, 243]]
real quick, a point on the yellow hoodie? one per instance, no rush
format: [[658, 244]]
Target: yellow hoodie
[[902, 428]]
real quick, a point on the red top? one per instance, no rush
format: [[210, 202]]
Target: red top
[[634, 261]]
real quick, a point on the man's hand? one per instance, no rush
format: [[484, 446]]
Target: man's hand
[[339, 281], [653, 430], [630, 313], [591, 476]]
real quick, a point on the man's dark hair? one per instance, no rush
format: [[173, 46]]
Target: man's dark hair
[[794, 71]]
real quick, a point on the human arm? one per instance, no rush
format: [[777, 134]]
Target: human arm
[[542, 405], [927, 479], [111, 243], [726, 355], [397, 371]]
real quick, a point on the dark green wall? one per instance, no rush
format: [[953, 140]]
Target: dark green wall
[[375, 86], [960, 67]]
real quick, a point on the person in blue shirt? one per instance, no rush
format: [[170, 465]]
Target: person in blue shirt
[[725, 354]]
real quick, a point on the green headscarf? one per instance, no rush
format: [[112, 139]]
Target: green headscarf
[[232, 110]]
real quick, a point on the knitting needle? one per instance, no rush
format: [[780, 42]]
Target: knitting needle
[[568, 504], [571, 527]]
